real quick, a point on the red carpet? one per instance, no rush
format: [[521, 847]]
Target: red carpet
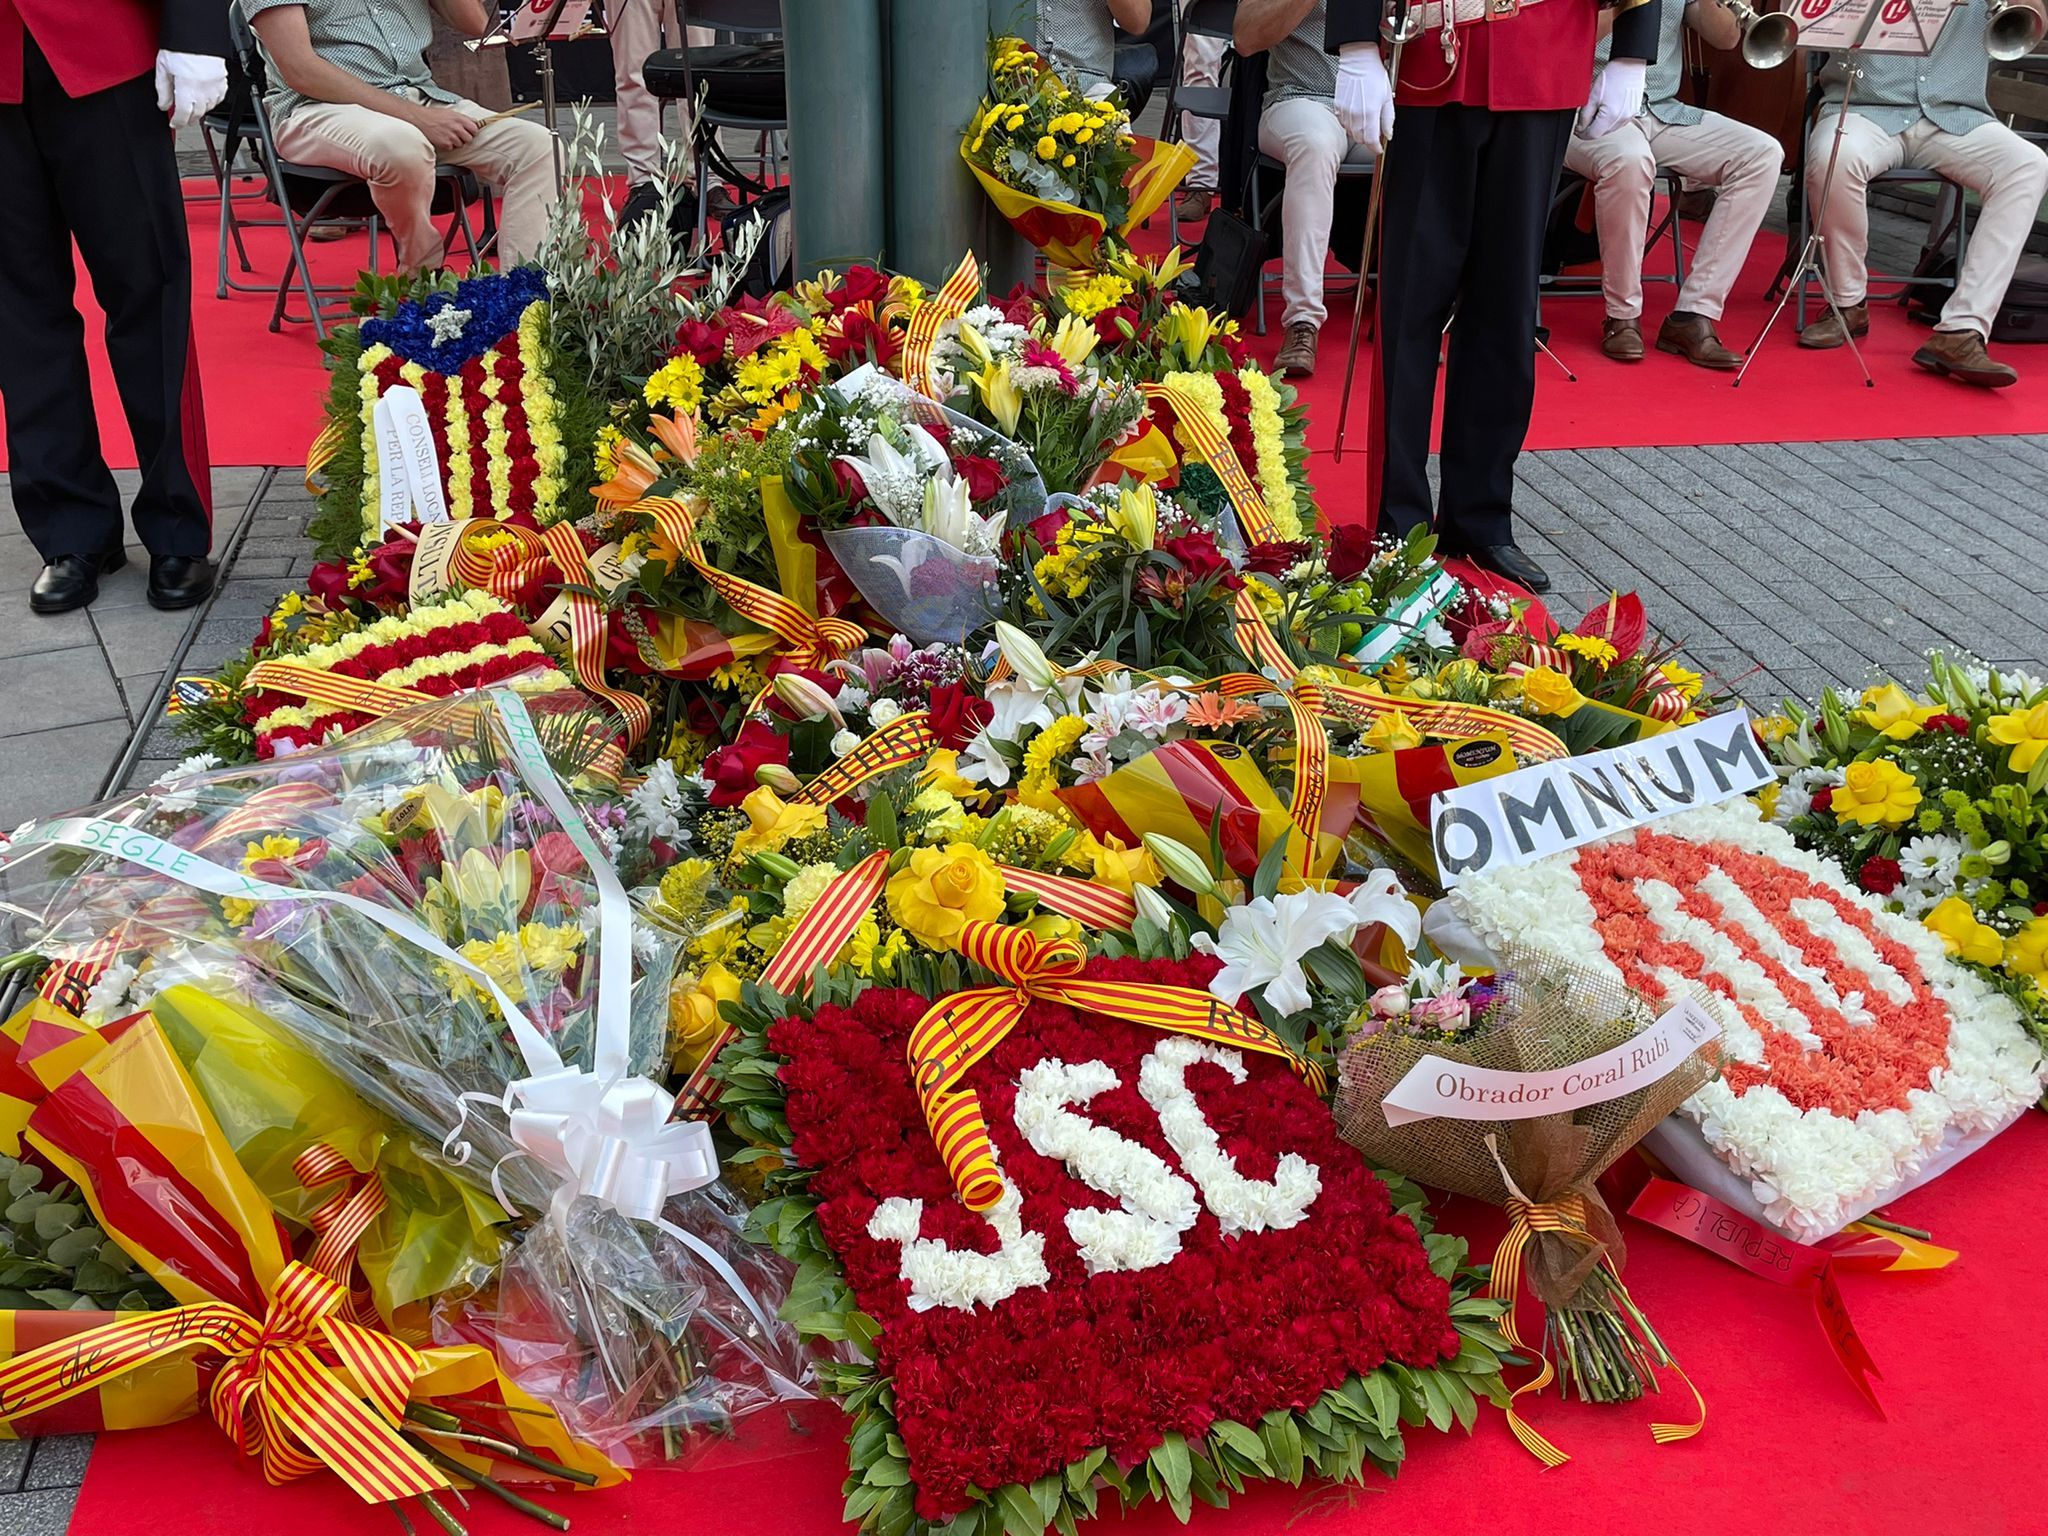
[[263, 391], [1788, 1446]]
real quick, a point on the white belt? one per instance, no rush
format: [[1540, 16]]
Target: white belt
[[1467, 11]]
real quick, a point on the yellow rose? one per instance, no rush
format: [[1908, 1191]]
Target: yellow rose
[[693, 1021], [2026, 952], [1892, 713], [1879, 794], [1963, 936], [1051, 927], [1121, 868], [1550, 692], [2026, 732], [1393, 732], [935, 895], [774, 823]]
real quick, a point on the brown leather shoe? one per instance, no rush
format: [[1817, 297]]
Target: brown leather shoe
[[1622, 340], [1693, 338], [1827, 330], [1297, 359], [1961, 355], [1193, 204]]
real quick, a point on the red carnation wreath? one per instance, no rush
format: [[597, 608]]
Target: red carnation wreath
[[1074, 1361]]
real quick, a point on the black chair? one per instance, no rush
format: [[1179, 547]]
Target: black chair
[[318, 196], [227, 132], [1203, 18], [744, 87], [1674, 189]]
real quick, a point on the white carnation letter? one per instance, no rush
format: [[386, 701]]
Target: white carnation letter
[[1240, 1204], [943, 1276], [1156, 1204]]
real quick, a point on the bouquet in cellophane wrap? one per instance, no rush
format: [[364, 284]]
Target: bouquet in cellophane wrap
[[1434, 1054], [427, 911]]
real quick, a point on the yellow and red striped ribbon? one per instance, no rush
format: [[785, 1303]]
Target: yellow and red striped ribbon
[[950, 301], [277, 1396], [904, 740], [322, 452], [807, 641], [1212, 441], [587, 621], [959, 1030], [1567, 1216], [339, 1225], [1099, 906], [274, 805], [331, 690]]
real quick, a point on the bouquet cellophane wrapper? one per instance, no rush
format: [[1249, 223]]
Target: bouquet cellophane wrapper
[[1186, 789], [1392, 790], [1551, 1013], [1068, 234]]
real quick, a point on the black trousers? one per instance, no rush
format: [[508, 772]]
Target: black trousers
[[1468, 194], [98, 169]]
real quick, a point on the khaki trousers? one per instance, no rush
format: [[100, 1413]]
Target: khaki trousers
[[2007, 172], [514, 157], [1302, 133], [638, 28], [1743, 162]]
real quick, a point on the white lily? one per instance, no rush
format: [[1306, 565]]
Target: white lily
[[1380, 899], [1019, 709], [1262, 943], [895, 478], [1025, 657], [949, 514]]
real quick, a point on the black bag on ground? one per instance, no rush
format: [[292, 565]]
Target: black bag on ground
[[2023, 316]]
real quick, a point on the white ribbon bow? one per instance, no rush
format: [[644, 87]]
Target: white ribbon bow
[[612, 1141]]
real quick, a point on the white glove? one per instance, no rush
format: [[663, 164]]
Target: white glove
[[1365, 96], [189, 85], [1616, 98]]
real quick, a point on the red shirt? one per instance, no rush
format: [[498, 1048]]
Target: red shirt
[[1539, 60], [93, 44]]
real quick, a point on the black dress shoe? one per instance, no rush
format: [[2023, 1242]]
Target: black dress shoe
[[1509, 561], [640, 203], [179, 581], [72, 581]]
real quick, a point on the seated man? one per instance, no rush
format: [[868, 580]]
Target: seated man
[[1298, 127], [1706, 150], [1930, 113], [349, 88], [1079, 39]]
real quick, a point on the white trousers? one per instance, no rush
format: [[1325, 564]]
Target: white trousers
[[638, 28], [514, 157], [2007, 172], [1718, 152], [1201, 63], [1303, 134]]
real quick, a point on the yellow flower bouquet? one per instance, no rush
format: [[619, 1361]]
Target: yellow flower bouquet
[[1062, 166]]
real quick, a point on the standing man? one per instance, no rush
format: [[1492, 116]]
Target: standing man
[[89, 96], [1705, 149], [1298, 127], [1930, 113], [1486, 97], [639, 28]]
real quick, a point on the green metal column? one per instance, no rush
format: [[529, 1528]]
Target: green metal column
[[938, 67], [836, 130], [1009, 256]]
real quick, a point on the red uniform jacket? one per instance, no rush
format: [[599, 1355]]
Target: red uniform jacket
[[1539, 59], [92, 44]]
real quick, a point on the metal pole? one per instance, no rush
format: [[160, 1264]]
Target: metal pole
[[837, 146], [1010, 257], [938, 67]]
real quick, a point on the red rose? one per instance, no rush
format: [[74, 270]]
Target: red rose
[[1880, 877], [390, 570], [1045, 528], [957, 716], [703, 341], [861, 336], [328, 581], [1953, 725], [850, 484], [1275, 558], [1349, 551], [1823, 798], [985, 478], [1201, 559], [858, 286], [1019, 305], [1116, 325], [731, 768]]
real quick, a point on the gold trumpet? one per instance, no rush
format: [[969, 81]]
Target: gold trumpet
[[2013, 30], [1769, 38]]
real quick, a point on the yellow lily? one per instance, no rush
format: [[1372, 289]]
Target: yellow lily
[[1074, 340], [1136, 516], [1190, 329], [998, 391], [976, 345]]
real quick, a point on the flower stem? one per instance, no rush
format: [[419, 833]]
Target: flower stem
[[489, 1485], [1875, 1220]]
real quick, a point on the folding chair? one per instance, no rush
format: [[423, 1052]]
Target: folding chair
[[1202, 18], [1670, 224], [750, 98]]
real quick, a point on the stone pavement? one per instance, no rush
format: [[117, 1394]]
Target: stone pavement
[[1779, 567]]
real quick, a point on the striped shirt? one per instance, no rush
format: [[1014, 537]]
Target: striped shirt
[[1079, 38], [1947, 86], [381, 42], [1661, 79], [1297, 65]]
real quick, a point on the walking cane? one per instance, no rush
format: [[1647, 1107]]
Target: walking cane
[[1403, 21]]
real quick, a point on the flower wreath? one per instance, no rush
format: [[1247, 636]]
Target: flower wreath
[[1855, 1051], [1256, 1307]]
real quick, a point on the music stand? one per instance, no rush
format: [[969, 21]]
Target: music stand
[[1868, 26], [535, 21]]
